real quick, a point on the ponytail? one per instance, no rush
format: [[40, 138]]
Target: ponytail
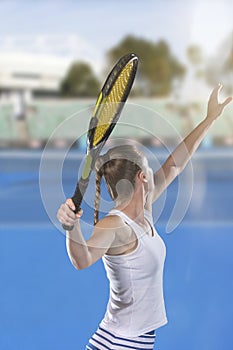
[[119, 163], [98, 178]]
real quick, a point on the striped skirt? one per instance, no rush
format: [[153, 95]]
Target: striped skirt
[[105, 340]]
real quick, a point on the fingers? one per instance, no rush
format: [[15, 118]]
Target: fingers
[[79, 214], [70, 203], [215, 91], [215, 94], [227, 100], [66, 213], [214, 107]]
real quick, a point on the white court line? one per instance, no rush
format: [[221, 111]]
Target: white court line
[[186, 223], [201, 154]]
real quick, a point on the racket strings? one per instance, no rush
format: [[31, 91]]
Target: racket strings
[[111, 103]]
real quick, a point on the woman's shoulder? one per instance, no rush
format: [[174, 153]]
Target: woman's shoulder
[[111, 220]]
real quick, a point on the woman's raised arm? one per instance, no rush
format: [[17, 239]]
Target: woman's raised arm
[[179, 158]]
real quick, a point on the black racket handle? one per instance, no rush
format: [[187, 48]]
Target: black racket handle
[[67, 228], [77, 198]]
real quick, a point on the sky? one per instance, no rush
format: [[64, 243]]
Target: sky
[[86, 29]]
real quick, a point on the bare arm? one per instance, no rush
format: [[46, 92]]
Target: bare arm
[[179, 158], [83, 253]]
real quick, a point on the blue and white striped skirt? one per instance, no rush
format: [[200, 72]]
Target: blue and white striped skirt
[[105, 340]]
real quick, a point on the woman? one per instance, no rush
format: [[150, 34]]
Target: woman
[[133, 253]]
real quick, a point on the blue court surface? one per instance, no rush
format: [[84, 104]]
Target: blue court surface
[[46, 304]]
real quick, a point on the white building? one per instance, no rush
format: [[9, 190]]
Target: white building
[[31, 73]]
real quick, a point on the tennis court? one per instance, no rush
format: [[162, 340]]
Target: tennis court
[[47, 304]]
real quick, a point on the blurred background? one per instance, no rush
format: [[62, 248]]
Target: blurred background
[[54, 58]]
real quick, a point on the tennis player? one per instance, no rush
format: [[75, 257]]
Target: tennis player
[[132, 251]]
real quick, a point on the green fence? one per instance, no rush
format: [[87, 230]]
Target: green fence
[[141, 118]]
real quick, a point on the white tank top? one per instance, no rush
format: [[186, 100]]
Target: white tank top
[[136, 302]]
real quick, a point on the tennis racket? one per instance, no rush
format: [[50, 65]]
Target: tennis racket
[[109, 105]]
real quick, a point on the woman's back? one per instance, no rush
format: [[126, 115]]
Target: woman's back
[[136, 303]]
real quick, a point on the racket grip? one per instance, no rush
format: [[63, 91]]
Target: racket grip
[[67, 228], [77, 198]]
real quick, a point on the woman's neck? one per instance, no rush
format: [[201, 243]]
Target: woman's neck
[[133, 208]]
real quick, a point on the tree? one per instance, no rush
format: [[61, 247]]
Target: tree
[[158, 67], [194, 54], [228, 73], [220, 68], [80, 81], [196, 59]]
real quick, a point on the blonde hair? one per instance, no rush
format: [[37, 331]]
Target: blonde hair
[[119, 163]]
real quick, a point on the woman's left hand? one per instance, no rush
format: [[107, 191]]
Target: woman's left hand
[[214, 107]]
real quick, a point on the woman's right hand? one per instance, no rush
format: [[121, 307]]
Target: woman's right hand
[[66, 214], [215, 108]]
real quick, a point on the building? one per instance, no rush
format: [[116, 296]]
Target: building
[[33, 74]]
